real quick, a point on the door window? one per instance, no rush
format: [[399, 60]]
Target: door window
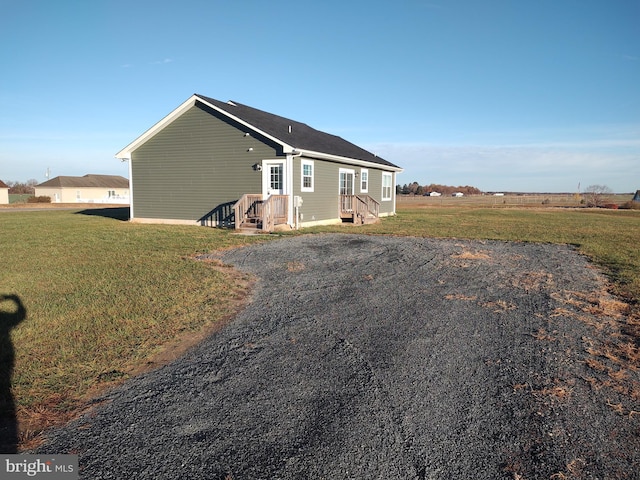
[[346, 182], [275, 178]]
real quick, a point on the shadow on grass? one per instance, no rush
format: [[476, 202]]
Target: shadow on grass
[[117, 213], [9, 319]]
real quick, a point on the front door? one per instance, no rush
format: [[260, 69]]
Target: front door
[[346, 181], [346, 189], [273, 178]]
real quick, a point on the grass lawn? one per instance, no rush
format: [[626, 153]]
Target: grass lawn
[[103, 295]]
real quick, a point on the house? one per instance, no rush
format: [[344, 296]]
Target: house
[[86, 189], [220, 163], [435, 194], [636, 197], [4, 193]]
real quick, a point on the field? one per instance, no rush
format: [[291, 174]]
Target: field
[[510, 200], [104, 297]]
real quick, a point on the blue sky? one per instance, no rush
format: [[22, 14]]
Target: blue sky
[[502, 95]]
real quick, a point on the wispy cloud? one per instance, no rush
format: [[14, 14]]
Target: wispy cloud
[[163, 61]]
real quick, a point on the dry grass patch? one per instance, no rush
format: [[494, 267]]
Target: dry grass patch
[[460, 296], [295, 266], [468, 255], [532, 280], [499, 306], [574, 469], [543, 335], [559, 391]]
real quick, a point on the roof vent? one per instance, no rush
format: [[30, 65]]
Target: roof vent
[[229, 102], [289, 128]]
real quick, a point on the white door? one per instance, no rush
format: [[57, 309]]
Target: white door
[[273, 177], [346, 181]]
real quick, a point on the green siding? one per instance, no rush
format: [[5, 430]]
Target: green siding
[[323, 202], [196, 168]]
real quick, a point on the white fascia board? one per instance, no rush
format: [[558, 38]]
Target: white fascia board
[[350, 161], [125, 153], [286, 147]]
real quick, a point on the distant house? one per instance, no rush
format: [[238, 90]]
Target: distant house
[[4, 193], [86, 189], [636, 197], [457, 194], [226, 164], [435, 194]]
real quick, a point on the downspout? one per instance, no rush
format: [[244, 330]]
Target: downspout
[[290, 156], [393, 192], [130, 188]]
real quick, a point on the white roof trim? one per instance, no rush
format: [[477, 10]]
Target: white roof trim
[[285, 146], [350, 161], [125, 153]]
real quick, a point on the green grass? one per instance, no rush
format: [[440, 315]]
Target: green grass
[[103, 295]]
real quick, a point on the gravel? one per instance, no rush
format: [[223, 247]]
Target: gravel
[[371, 357]]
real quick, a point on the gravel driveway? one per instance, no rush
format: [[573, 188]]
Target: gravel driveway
[[371, 357]]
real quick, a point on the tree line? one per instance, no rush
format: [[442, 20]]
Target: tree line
[[415, 188], [22, 187]]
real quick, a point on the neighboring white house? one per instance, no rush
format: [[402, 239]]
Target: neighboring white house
[[87, 189], [435, 194], [457, 194], [4, 193]]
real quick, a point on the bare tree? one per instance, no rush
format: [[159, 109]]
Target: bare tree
[[594, 195]]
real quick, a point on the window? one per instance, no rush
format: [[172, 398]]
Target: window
[[386, 185], [306, 176], [364, 180]]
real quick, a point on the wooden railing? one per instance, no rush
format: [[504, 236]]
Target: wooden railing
[[249, 206], [275, 211], [372, 205], [359, 205], [266, 213]]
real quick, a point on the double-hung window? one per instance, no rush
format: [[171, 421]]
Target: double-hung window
[[387, 180], [306, 176], [364, 180]]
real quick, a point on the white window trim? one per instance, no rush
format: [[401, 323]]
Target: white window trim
[[313, 175], [364, 171], [388, 175]]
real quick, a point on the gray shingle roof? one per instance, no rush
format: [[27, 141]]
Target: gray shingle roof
[[300, 135], [87, 181], [3, 185]]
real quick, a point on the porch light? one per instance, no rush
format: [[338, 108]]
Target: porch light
[[257, 167]]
